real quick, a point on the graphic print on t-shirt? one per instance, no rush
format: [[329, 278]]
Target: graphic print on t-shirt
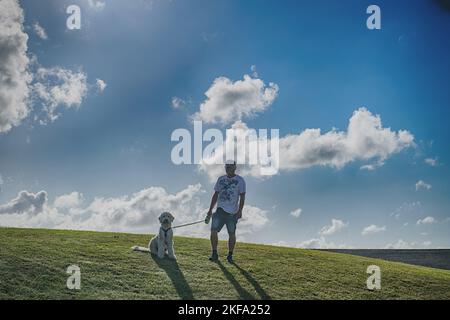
[[229, 190]]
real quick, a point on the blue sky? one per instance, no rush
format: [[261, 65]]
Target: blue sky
[[326, 64]]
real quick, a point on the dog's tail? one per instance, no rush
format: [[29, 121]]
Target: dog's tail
[[142, 249]]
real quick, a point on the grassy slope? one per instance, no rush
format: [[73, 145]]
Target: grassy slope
[[33, 264]]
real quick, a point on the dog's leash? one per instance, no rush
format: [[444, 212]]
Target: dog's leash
[[188, 224]]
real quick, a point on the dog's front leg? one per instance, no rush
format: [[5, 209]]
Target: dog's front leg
[[170, 251], [161, 240]]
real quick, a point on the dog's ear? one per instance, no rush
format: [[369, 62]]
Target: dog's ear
[[171, 217], [160, 217]]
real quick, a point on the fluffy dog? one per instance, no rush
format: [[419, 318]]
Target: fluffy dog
[[163, 242]]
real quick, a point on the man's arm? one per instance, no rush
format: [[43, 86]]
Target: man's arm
[[241, 205], [213, 202]]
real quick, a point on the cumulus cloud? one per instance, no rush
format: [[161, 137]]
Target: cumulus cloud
[[253, 219], [373, 229], [228, 101], [296, 213], [248, 145], [137, 212], [60, 87], [254, 71], [433, 162], [97, 4], [101, 85], [422, 185], [40, 31], [178, 103], [14, 74], [320, 243], [25, 202], [315, 243], [407, 208], [401, 244], [336, 226], [365, 139], [21, 85], [71, 200], [426, 220]]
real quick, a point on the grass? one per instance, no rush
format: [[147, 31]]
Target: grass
[[33, 265]]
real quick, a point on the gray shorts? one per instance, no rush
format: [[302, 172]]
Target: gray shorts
[[221, 218]]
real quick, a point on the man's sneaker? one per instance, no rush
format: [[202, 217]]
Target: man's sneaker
[[230, 258], [214, 257]]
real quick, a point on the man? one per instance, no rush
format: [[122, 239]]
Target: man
[[229, 194]]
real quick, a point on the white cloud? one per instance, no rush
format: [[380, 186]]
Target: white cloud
[[433, 162], [373, 229], [426, 220], [320, 243], [20, 84], [336, 226], [315, 243], [422, 184], [40, 31], [372, 166], [228, 101], [101, 85], [401, 244], [254, 71], [365, 139], [280, 243], [97, 4], [132, 213], [253, 219], [407, 208], [25, 202], [178, 103], [71, 200], [60, 87], [1, 179], [14, 74], [296, 213]]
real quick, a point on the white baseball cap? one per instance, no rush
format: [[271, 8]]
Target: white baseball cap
[[230, 163]]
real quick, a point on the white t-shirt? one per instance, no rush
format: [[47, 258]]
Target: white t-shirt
[[229, 190]]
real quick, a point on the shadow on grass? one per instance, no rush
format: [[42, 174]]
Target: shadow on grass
[[173, 271], [262, 293], [243, 293]]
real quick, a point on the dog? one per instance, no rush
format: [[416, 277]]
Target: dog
[[162, 243]]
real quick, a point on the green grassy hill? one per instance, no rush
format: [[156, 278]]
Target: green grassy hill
[[33, 265]]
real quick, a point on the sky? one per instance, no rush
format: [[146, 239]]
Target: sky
[[86, 116]]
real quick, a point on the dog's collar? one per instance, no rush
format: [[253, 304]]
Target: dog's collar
[[165, 230]]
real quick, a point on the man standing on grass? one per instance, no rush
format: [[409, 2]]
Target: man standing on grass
[[229, 194]]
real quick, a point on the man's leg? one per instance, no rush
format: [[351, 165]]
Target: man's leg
[[216, 225], [214, 240], [231, 227], [231, 242]]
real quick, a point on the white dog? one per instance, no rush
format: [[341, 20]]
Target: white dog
[[163, 242]]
